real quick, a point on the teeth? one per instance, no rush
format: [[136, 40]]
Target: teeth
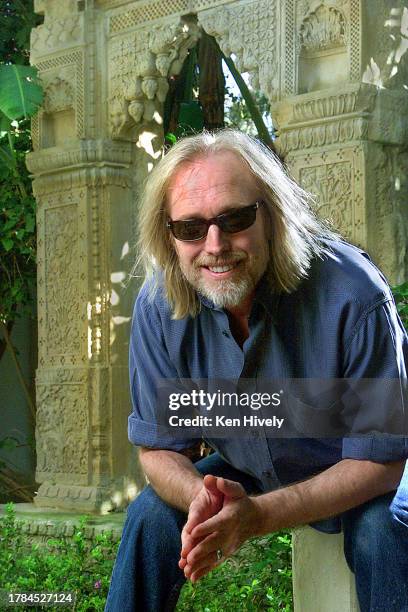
[[219, 269]]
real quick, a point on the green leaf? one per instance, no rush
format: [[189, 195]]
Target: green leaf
[[20, 91], [7, 158], [5, 124], [171, 138], [9, 443], [7, 244], [12, 222]]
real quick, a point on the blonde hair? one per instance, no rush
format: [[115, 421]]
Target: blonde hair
[[297, 234]]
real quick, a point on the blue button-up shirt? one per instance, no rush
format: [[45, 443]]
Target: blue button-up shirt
[[341, 322]]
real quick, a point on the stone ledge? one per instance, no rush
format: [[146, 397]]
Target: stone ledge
[[322, 580], [43, 523]]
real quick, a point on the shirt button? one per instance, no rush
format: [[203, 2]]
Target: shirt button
[[267, 473], [225, 333]]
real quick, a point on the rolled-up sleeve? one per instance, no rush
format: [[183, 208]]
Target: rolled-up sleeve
[[149, 364], [378, 349]]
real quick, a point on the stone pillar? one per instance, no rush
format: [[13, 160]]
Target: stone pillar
[[95, 138], [342, 115]]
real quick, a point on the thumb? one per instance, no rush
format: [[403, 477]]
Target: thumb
[[230, 488], [210, 483]]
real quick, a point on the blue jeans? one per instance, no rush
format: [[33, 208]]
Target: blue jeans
[[146, 576]]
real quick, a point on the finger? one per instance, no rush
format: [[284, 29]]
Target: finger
[[210, 483], [202, 572], [204, 548], [182, 563], [230, 488], [211, 525], [209, 561], [192, 520], [187, 544]]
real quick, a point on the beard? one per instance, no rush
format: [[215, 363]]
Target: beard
[[226, 293]]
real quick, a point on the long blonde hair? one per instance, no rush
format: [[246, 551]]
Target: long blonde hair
[[297, 234]]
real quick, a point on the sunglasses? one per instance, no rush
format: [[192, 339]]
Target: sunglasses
[[189, 230]]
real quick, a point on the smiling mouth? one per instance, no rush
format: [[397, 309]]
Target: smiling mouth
[[224, 268], [219, 269]]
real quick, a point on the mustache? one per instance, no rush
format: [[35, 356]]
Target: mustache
[[226, 259]]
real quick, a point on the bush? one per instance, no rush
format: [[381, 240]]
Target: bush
[[257, 578], [72, 564]]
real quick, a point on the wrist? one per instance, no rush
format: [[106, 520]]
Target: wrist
[[194, 490], [260, 518]]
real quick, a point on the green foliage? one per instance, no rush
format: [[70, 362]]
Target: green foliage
[[20, 91], [17, 18], [401, 299], [238, 116], [20, 97], [17, 229], [258, 577], [62, 565]]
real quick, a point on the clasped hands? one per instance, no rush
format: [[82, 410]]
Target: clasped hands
[[221, 518]]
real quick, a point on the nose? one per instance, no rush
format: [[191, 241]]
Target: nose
[[216, 241]]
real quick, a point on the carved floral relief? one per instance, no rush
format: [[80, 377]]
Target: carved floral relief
[[331, 184]]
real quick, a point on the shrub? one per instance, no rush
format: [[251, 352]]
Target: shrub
[[64, 564], [258, 577]]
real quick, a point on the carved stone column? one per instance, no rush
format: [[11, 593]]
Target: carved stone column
[[342, 114], [95, 139]]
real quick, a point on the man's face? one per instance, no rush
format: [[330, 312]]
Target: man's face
[[223, 267]]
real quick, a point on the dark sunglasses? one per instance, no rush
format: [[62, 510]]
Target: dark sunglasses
[[232, 222]]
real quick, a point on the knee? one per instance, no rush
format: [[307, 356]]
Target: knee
[[368, 529], [149, 510]]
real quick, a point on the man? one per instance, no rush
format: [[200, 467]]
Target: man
[[245, 283]]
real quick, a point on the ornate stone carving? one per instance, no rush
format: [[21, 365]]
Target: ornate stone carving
[[387, 170], [57, 34], [100, 425], [314, 28], [138, 68], [59, 96], [86, 152], [62, 270], [58, 74], [40, 529], [324, 28], [103, 177], [337, 132], [62, 291], [331, 184], [134, 16], [250, 32], [61, 431], [325, 118], [334, 177], [349, 100]]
